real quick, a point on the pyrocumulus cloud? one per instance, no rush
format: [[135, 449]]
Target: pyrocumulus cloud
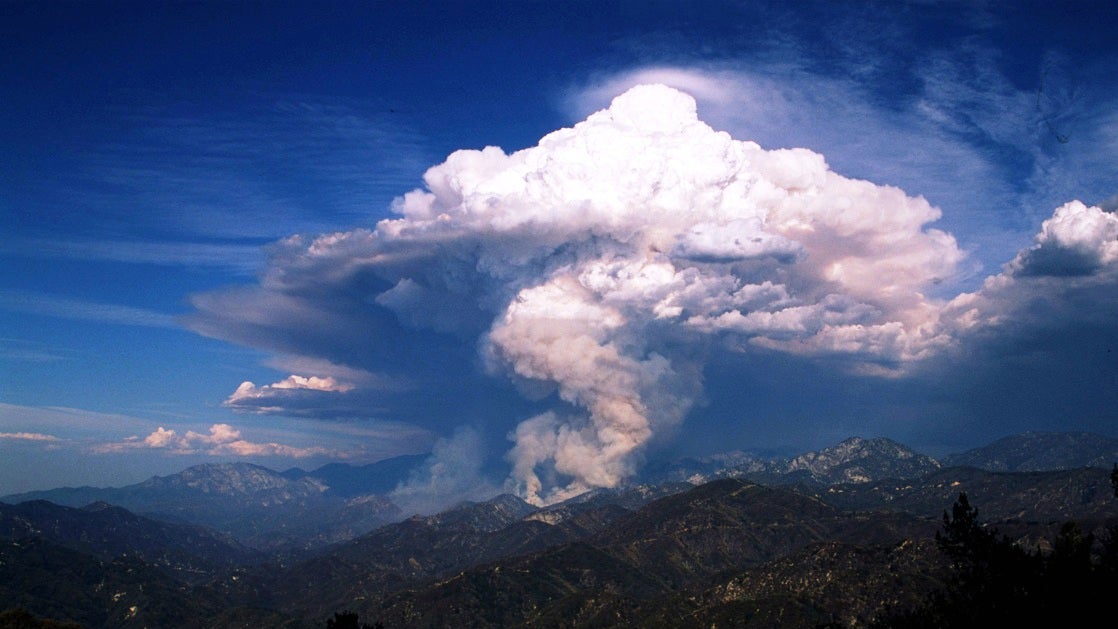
[[605, 262]]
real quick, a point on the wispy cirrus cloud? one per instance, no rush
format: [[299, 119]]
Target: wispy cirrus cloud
[[27, 351], [239, 258], [297, 164], [28, 436], [67, 308], [72, 424]]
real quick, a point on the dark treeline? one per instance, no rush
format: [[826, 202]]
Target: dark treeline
[[997, 583]]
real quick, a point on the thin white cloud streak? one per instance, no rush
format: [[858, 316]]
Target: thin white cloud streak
[[327, 369], [28, 436], [69, 423], [30, 351], [282, 397], [239, 258], [64, 308], [315, 395]]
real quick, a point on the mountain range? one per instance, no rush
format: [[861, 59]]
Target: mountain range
[[835, 536], [259, 507]]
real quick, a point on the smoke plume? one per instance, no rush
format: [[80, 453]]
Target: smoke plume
[[639, 230]]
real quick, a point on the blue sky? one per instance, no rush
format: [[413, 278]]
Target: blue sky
[[166, 170]]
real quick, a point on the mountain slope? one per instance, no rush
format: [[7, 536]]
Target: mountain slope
[[106, 532], [56, 582], [1080, 494], [1038, 451], [849, 585], [858, 460], [670, 545]]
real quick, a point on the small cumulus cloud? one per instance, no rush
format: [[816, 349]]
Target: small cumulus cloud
[[1076, 240], [285, 396], [338, 392], [161, 438]]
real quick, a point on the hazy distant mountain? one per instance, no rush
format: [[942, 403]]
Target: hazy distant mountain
[[348, 481], [236, 484], [254, 504], [1035, 451]]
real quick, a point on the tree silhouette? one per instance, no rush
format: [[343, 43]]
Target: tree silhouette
[[963, 538], [995, 583], [350, 620]]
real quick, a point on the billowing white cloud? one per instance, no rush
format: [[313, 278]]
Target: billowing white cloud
[[1068, 277], [161, 438], [585, 264], [1077, 240], [642, 224], [221, 439], [994, 154]]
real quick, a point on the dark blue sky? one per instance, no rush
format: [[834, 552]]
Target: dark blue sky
[[154, 154]]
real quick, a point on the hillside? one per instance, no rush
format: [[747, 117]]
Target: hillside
[[842, 536]]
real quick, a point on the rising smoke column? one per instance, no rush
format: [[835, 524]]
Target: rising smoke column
[[612, 253]]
